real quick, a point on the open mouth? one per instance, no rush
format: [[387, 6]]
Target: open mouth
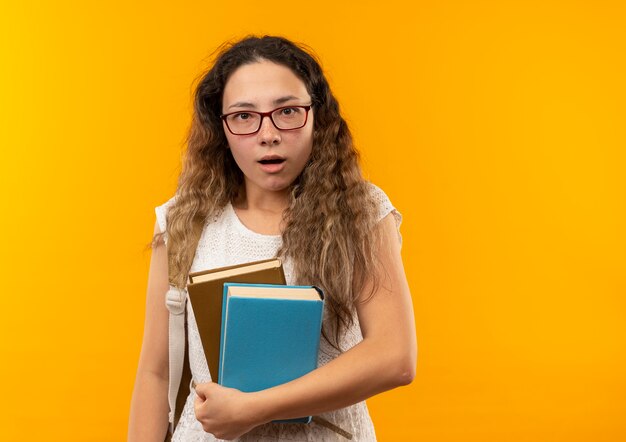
[[272, 161]]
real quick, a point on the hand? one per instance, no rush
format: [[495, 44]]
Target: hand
[[227, 413]]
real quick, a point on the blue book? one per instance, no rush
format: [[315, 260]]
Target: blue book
[[270, 335]]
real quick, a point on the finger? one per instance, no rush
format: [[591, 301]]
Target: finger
[[197, 404], [200, 395], [203, 389]]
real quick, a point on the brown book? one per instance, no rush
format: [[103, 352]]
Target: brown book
[[206, 289]]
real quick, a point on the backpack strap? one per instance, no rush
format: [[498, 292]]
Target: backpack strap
[[176, 300], [180, 377]]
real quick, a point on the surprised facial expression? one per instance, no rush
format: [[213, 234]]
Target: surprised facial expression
[[270, 159]]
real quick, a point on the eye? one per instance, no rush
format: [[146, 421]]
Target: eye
[[241, 116], [288, 111]]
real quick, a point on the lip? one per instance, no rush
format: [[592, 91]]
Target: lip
[[272, 168], [272, 157]]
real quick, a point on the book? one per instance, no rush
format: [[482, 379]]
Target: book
[[270, 335], [205, 290]]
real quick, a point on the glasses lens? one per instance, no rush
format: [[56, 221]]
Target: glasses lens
[[243, 123], [289, 117]]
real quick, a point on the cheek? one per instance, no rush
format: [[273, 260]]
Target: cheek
[[242, 158], [238, 149], [229, 138], [301, 159], [309, 148]]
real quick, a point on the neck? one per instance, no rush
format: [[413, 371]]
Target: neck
[[256, 198]]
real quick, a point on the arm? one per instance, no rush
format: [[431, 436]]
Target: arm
[[384, 359], [149, 406]]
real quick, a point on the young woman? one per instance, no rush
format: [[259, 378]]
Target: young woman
[[271, 170]]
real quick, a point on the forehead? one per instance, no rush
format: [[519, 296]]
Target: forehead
[[261, 83]]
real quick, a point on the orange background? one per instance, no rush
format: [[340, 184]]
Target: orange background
[[496, 128]]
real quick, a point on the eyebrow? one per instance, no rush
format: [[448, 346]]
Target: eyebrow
[[278, 101]]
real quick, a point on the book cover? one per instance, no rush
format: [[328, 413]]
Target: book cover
[[270, 335], [205, 290]]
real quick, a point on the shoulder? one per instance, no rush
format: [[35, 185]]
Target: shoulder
[[384, 206], [161, 213]]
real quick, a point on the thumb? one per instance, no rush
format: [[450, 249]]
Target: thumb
[[201, 390]]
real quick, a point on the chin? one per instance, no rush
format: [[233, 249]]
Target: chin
[[277, 188], [277, 185]]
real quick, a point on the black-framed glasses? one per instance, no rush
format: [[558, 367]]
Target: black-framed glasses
[[283, 118]]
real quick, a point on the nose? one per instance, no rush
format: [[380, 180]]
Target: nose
[[268, 134]]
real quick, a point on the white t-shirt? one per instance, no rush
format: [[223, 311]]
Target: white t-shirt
[[227, 241]]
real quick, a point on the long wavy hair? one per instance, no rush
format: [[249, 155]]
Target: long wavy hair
[[328, 229]]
